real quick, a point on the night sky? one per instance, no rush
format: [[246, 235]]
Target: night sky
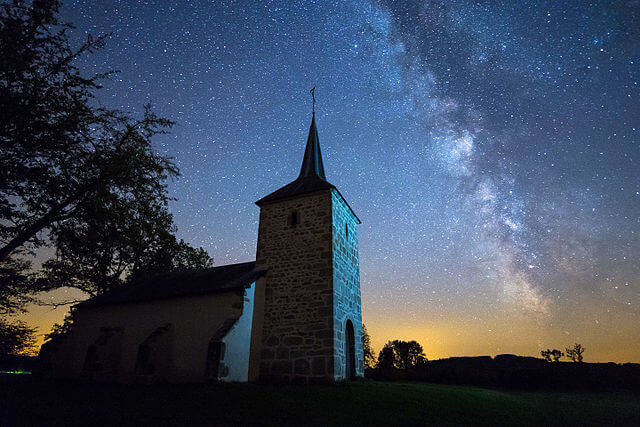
[[491, 150]]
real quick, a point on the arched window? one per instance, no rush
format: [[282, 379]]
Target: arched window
[[153, 362], [102, 359]]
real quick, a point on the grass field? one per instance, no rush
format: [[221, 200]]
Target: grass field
[[28, 402]]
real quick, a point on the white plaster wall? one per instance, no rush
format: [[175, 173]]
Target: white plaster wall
[[238, 341], [346, 286]]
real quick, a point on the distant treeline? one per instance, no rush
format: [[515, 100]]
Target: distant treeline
[[18, 363], [504, 371], [508, 370]]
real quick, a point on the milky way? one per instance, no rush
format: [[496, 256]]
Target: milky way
[[491, 150]]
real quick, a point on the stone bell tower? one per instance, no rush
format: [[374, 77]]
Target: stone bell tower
[[308, 243]]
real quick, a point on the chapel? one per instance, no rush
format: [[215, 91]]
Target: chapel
[[292, 315]]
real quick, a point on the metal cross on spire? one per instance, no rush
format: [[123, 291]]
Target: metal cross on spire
[[313, 95]]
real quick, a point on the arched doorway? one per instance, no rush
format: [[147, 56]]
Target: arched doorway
[[90, 362], [350, 351], [153, 361], [215, 353], [103, 355]]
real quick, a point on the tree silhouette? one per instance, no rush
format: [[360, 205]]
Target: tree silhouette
[[400, 354], [409, 354], [53, 143], [16, 283], [58, 330], [72, 171], [114, 242], [575, 353], [57, 150], [16, 337], [387, 358], [369, 357], [554, 354]]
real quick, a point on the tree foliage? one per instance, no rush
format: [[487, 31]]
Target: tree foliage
[[369, 357], [84, 175], [409, 354], [400, 354], [73, 175], [387, 358], [16, 337], [117, 239], [60, 330], [52, 142], [575, 353], [16, 282], [554, 355]]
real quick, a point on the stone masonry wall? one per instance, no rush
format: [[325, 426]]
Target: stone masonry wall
[[346, 285], [297, 335]]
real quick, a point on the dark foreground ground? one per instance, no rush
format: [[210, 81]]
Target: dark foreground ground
[[26, 401]]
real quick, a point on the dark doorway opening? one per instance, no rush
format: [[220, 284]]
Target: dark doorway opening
[[90, 365], [144, 362], [350, 351], [103, 355], [153, 362], [215, 354]]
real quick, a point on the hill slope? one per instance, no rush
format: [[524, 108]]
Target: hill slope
[[361, 403]]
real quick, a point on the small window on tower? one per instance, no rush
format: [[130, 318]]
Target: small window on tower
[[294, 219], [346, 230]]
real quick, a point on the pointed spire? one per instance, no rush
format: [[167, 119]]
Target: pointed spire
[[312, 162], [311, 178]]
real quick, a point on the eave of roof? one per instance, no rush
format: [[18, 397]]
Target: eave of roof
[[226, 278], [298, 187]]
